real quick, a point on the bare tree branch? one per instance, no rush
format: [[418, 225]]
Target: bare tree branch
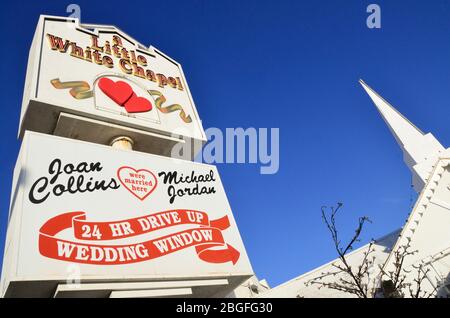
[[358, 280], [355, 283]]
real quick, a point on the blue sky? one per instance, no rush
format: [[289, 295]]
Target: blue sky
[[294, 65]]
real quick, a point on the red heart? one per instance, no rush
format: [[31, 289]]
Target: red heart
[[140, 182], [118, 91], [137, 104]]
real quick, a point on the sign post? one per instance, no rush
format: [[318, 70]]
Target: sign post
[[95, 83], [89, 217]]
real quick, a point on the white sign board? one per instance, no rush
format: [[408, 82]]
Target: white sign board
[[101, 73], [117, 215]]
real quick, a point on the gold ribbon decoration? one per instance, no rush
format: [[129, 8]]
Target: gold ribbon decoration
[[82, 90], [160, 100], [79, 89]]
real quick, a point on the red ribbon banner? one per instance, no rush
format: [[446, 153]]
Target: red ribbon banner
[[206, 237]]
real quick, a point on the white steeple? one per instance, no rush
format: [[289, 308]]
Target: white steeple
[[420, 150]]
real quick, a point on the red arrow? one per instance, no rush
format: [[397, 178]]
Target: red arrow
[[229, 254]]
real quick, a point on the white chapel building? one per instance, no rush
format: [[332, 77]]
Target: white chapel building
[[427, 228]]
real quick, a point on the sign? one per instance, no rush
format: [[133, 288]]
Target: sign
[[101, 73], [117, 216]]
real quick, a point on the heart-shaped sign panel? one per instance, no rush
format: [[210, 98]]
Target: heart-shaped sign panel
[[137, 104], [118, 91], [122, 94], [140, 182]]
